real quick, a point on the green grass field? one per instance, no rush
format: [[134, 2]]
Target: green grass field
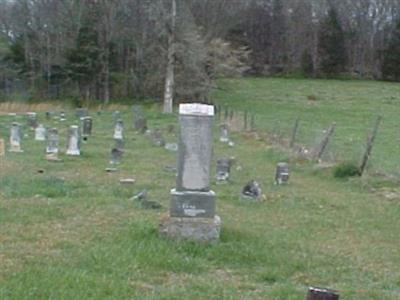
[[71, 232]]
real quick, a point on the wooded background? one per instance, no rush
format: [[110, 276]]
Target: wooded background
[[115, 49]]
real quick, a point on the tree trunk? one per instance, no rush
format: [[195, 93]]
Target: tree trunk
[[170, 76]]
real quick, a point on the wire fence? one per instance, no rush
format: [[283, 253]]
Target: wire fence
[[325, 142]]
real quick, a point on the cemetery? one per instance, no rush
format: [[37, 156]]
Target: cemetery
[[200, 149], [243, 203]]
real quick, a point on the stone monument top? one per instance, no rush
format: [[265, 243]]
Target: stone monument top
[[196, 109]]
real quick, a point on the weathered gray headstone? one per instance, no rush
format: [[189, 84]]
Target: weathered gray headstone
[[40, 133], [119, 130], [252, 190], [282, 173], [315, 293], [116, 155], [32, 120], [53, 141], [223, 133], [73, 142], [15, 137], [81, 112], [141, 125], [157, 138], [192, 208], [139, 120], [223, 169], [87, 124]]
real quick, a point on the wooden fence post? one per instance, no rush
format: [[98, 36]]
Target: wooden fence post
[[370, 143], [322, 147], [294, 133]]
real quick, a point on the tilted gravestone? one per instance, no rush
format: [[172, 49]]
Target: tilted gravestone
[[223, 169], [192, 207], [119, 130], [73, 142], [40, 133], [315, 293], [87, 124], [251, 191], [282, 173], [15, 137], [32, 120]]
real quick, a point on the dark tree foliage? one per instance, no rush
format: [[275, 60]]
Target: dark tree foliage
[[83, 60], [391, 57], [331, 46], [307, 64]]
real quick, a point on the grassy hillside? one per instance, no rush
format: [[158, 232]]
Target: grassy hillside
[[353, 105], [71, 232]]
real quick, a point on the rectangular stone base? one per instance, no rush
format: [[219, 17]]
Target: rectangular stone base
[[196, 229], [192, 204]]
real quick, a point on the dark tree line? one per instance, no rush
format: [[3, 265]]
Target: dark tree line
[[103, 49]]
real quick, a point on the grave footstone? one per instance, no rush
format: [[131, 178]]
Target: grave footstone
[[192, 207], [282, 173], [87, 124], [173, 147], [73, 142], [118, 130], [252, 190], [223, 133], [32, 120], [315, 293], [40, 133], [15, 137], [223, 169]]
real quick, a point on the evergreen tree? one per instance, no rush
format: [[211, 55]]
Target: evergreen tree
[[391, 57], [331, 45], [83, 61]]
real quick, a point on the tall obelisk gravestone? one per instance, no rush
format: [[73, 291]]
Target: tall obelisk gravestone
[[192, 209]]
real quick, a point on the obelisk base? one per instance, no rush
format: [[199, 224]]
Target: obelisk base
[[196, 229]]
